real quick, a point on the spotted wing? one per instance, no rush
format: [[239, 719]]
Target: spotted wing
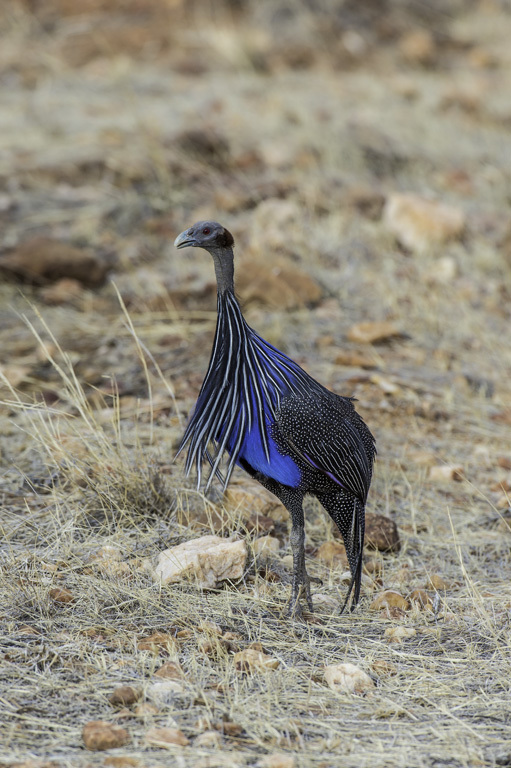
[[328, 434]]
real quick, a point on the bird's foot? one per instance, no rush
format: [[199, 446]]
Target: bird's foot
[[301, 586]]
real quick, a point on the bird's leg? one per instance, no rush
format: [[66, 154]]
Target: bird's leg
[[301, 579]]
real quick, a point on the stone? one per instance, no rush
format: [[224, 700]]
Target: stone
[[124, 696], [43, 260], [381, 533], [157, 642], [383, 668], [164, 691], [166, 737], [64, 291], [398, 634], [373, 333], [420, 599], [390, 599], [265, 547], [251, 660], [332, 554], [420, 224], [437, 583], [348, 678], [354, 359], [99, 735], [171, 670], [208, 560], [246, 498], [446, 473], [257, 523], [121, 761], [62, 595], [418, 47], [280, 286]]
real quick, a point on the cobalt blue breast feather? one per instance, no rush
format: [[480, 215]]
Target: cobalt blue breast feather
[[238, 402]]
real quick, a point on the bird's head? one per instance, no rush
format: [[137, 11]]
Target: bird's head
[[205, 234]]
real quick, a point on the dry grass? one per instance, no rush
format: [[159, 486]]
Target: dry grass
[[95, 392]]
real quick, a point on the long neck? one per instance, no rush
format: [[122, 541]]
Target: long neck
[[223, 259]]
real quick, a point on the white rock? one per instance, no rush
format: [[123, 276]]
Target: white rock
[[209, 560], [164, 691], [420, 224], [266, 546], [398, 634], [442, 472], [348, 678]]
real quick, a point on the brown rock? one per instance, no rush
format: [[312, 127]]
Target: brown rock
[[373, 333], [418, 47], [437, 582], [282, 286], [156, 642], [420, 224], [121, 761], [332, 554], [166, 737], [43, 260], [228, 728], [251, 660], [246, 498], [348, 678], [124, 696], [64, 291], [265, 547], [421, 599], [373, 565], [389, 599], [171, 670], [210, 628], [384, 668], [99, 735], [61, 595], [257, 523], [207, 560], [356, 359], [381, 533]]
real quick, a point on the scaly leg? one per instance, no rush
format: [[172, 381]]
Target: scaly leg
[[301, 580], [293, 501]]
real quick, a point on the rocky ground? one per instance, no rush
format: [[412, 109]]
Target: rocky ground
[[360, 154]]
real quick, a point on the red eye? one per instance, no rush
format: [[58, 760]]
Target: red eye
[[206, 231]]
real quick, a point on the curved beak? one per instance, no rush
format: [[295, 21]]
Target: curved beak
[[184, 240]]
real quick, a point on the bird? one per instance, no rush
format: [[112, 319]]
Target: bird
[[259, 410]]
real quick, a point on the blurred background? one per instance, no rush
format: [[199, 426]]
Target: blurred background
[[360, 153], [358, 150]]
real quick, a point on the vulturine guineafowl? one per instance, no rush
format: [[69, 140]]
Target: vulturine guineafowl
[[276, 422]]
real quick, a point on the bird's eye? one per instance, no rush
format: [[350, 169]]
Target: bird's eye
[[206, 231]]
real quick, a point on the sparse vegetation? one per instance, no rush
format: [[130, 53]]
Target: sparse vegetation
[[122, 124]]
